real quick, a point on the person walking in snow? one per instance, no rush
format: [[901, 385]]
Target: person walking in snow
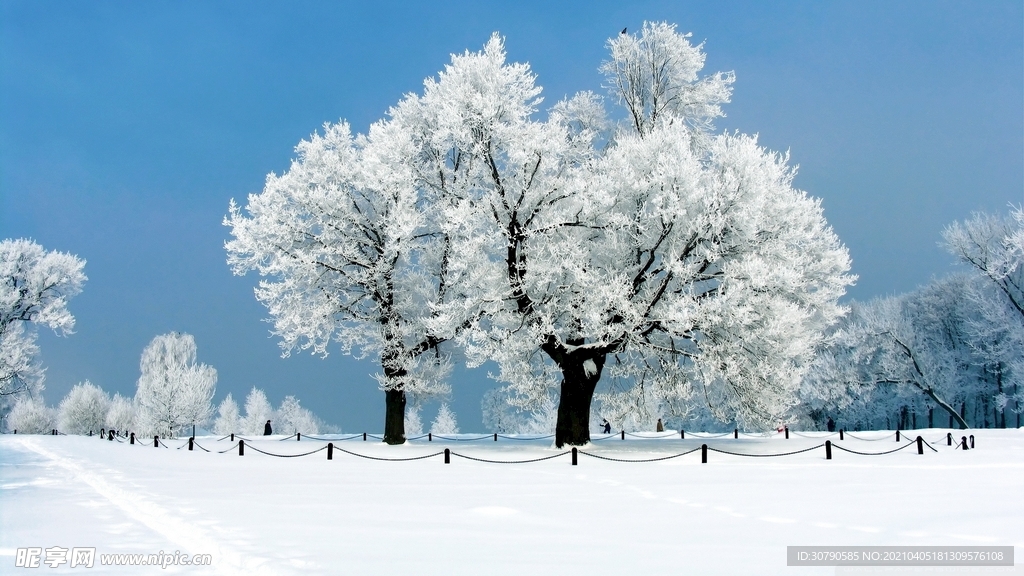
[[267, 431], [831, 424], [606, 426], [661, 427]]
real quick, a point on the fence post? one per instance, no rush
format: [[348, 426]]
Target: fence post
[[430, 436], [110, 435], [103, 432], [574, 456], [190, 440], [963, 442], [330, 450], [133, 438], [972, 441], [156, 441], [703, 453], [736, 433], [920, 445], [232, 436], [495, 436], [840, 433], [623, 434], [949, 438], [897, 435], [787, 432], [298, 436], [447, 456], [241, 447], [90, 432], [828, 449], [682, 435], [364, 436]]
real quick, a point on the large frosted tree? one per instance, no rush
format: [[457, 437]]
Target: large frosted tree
[[174, 391], [35, 286], [681, 262], [353, 253]]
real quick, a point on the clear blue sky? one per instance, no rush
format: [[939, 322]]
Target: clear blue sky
[[125, 128]]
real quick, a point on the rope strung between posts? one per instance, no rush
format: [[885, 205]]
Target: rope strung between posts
[[669, 435], [767, 455], [229, 449], [608, 437], [352, 437], [510, 461], [320, 449], [870, 439], [873, 453], [288, 437], [708, 436], [196, 444], [225, 437], [488, 437], [825, 436], [161, 441], [390, 459], [643, 460]]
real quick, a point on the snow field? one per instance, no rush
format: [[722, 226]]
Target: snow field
[[262, 515]]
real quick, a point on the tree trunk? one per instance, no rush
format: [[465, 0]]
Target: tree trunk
[[394, 416], [580, 373]]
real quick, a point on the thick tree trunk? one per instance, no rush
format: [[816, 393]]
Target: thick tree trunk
[[580, 375], [394, 416]]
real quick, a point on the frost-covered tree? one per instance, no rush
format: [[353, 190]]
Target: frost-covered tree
[[501, 414], [174, 391], [84, 409], [35, 286], [353, 253], [228, 420], [992, 246], [444, 422], [684, 259], [413, 422], [30, 415], [291, 417], [121, 415], [257, 411]]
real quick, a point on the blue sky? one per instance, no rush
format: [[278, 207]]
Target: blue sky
[[126, 127]]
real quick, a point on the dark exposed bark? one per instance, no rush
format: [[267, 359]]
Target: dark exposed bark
[[581, 370], [394, 416]]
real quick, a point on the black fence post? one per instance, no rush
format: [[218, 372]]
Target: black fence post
[[736, 433], [840, 433], [103, 432], [241, 447], [828, 449], [156, 441], [495, 436], [703, 453], [232, 436], [920, 445], [190, 441], [110, 435], [90, 432], [787, 432], [132, 438], [972, 441], [364, 436], [574, 456], [682, 435], [949, 438], [963, 442], [623, 434], [298, 436], [447, 456], [330, 450], [430, 436], [897, 435]]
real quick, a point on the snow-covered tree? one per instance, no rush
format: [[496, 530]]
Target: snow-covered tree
[[991, 245], [30, 415], [291, 418], [84, 409], [121, 415], [445, 422], [353, 253], [35, 286], [228, 420], [685, 259], [257, 411], [413, 422], [173, 391]]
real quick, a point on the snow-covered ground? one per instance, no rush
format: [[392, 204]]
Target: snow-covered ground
[[257, 514]]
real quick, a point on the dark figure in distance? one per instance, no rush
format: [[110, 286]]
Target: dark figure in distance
[[661, 427], [267, 431], [831, 424], [607, 426]]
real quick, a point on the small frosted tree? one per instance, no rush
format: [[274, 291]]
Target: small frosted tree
[[173, 391], [445, 422], [35, 286], [292, 417], [84, 409], [121, 415], [257, 411], [228, 420], [30, 415], [413, 422]]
